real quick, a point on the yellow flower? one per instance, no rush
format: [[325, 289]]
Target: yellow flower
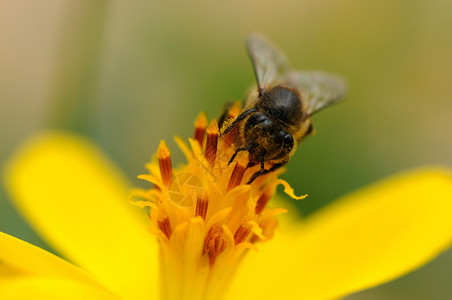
[[210, 234], [204, 215]]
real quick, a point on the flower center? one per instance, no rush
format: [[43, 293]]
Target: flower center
[[203, 214]]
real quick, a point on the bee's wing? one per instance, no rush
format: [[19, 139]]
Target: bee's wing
[[319, 89], [269, 63]]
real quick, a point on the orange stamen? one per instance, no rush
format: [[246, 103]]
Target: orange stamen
[[242, 233], [211, 142], [237, 173], [200, 128], [214, 243], [165, 227], [235, 109], [201, 207], [233, 112], [263, 199], [166, 169]]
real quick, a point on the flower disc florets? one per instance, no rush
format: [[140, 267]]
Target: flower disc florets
[[203, 214]]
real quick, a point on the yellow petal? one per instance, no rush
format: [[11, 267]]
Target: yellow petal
[[49, 288], [19, 257], [6, 270], [77, 200], [364, 239]]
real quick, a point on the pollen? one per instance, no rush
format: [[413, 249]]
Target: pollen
[[203, 214]]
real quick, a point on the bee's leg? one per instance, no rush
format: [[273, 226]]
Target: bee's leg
[[243, 115], [262, 171], [258, 173], [276, 166], [237, 150]]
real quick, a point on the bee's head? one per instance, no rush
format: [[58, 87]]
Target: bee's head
[[267, 138]]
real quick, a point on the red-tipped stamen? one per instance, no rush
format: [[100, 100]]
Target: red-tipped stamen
[[201, 207], [237, 174], [165, 227], [166, 169], [200, 128], [263, 199], [242, 233], [214, 243], [233, 112], [211, 142]]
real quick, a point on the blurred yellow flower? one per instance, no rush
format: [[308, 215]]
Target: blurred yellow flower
[[204, 220]]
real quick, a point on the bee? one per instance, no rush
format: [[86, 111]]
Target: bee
[[277, 114]]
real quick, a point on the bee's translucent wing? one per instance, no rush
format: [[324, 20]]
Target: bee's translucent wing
[[319, 89], [269, 63]]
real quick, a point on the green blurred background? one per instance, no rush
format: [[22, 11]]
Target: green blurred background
[[129, 73]]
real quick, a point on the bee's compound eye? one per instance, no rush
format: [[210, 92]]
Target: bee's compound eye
[[288, 140]]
